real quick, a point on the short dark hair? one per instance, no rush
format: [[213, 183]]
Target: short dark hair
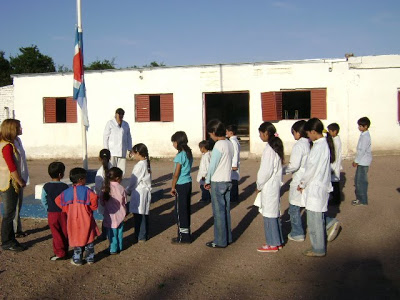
[[204, 144], [232, 128], [364, 121], [77, 174], [334, 127], [55, 169], [120, 111], [217, 127]]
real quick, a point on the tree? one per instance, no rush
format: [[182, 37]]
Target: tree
[[154, 64], [63, 69], [101, 65], [5, 70], [31, 61]]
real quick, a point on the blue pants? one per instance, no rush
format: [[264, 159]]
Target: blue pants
[[183, 211], [89, 255], [221, 206], [273, 231], [361, 183], [10, 201], [115, 238], [141, 227], [235, 191], [295, 221], [317, 231], [205, 194]]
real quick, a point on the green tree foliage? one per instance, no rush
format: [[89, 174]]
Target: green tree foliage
[[31, 61], [101, 65], [154, 64], [63, 69], [5, 70]]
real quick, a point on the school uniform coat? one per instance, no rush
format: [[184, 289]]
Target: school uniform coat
[[337, 164], [298, 159], [117, 139], [140, 189], [98, 185], [316, 180], [203, 167], [269, 182], [236, 157], [114, 208]]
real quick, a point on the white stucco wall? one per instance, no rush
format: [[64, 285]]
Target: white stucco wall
[[365, 86], [6, 102]]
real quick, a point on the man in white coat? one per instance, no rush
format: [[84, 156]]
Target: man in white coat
[[117, 138]]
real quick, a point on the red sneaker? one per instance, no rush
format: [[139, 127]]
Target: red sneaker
[[266, 248], [279, 247]]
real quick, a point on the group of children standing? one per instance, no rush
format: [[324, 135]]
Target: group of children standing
[[315, 164]]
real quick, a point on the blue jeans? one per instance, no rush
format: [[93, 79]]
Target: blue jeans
[[10, 201], [115, 236], [221, 206], [361, 183], [205, 194], [273, 231], [317, 231], [295, 221], [89, 255], [141, 227]]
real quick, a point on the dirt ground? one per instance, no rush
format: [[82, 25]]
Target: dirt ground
[[362, 263]]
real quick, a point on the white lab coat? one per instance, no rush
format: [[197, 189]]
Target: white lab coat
[[140, 189], [117, 139], [316, 180], [98, 185], [269, 182], [337, 164], [23, 164], [203, 167], [236, 157], [298, 158]]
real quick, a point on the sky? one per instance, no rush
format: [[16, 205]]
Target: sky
[[189, 32]]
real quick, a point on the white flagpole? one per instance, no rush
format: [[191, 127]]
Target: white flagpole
[[83, 127]]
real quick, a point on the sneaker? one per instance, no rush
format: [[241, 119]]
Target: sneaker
[[76, 262], [296, 238], [266, 248], [311, 253], [214, 245], [55, 257], [357, 203], [332, 232], [279, 247], [177, 241], [16, 248]]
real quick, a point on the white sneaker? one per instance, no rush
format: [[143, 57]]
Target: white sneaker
[[296, 239], [332, 232]]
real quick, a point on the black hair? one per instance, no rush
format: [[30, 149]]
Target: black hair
[[217, 127], [334, 127], [120, 111], [111, 175], [232, 128], [274, 141], [299, 127], [181, 140], [143, 151], [316, 125], [77, 174], [105, 156], [364, 121], [55, 169], [204, 144]]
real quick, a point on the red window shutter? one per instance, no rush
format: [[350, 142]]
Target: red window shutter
[[167, 107], [142, 110], [318, 104], [71, 110], [271, 106], [49, 110]]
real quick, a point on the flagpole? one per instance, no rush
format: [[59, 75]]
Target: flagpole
[[83, 127]]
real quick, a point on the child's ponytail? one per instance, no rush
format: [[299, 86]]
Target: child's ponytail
[[112, 175], [316, 125], [143, 151], [181, 140], [331, 145], [273, 139], [105, 157]]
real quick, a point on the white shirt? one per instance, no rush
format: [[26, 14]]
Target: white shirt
[[337, 164], [221, 162], [316, 180], [269, 182], [298, 159], [236, 157], [117, 139], [23, 163], [364, 154], [203, 168], [140, 189]]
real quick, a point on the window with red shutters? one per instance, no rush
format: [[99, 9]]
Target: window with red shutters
[[159, 107], [318, 103], [59, 110], [271, 105]]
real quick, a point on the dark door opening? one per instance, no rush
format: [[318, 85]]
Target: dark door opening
[[230, 108]]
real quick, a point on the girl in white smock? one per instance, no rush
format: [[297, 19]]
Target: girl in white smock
[[296, 166], [140, 190], [269, 181]]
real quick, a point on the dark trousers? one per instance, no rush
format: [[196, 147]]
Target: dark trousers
[[58, 226], [10, 201], [141, 227], [182, 210], [205, 194], [235, 191], [335, 194]]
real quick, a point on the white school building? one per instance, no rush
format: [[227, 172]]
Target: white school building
[[160, 101]]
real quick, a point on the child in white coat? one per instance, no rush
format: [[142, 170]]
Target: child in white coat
[[231, 131], [269, 181], [203, 169], [336, 166], [140, 190], [316, 186], [296, 166]]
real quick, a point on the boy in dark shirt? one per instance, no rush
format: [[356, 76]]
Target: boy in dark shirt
[[56, 218]]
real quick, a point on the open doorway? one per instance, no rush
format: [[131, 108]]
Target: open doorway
[[230, 108]]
